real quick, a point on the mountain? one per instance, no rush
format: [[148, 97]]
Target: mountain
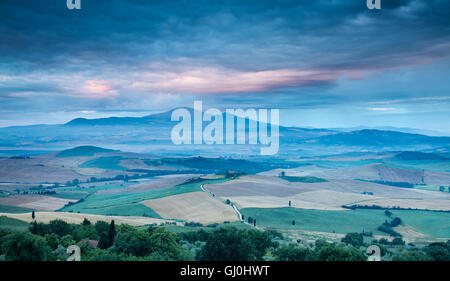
[[432, 133], [151, 134], [83, 151], [380, 139]]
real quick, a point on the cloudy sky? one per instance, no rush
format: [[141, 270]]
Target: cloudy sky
[[323, 63]]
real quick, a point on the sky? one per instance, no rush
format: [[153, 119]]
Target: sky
[[323, 63]]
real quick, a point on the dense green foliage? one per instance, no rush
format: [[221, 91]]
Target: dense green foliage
[[303, 179], [230, 244], [104, 241], [354, 239]]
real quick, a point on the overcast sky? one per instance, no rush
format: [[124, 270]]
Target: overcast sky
[[323, 63]]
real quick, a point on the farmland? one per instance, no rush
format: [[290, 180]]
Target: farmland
[[129, 204], [46, 217], [13, 224], [429, 223], [194, 206], [315, 192], [35, 202]]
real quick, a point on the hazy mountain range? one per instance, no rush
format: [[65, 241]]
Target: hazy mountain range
[[151, 134]]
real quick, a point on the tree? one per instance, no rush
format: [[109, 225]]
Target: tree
[[335, 253], [32, 215], [75, 182], [102, 229], [34, 228], [441, 188], [164, 245], [230, 244], [52, 240], [396, 221], [439, 251], [354, 239], [131, 241], [86, 222], [293, 222], [67, 240], [60, 227], [112, 232], [398, 242], [24, 246], [293, 253], [414, 255], [86, 232], [388, 213], [290, 203]]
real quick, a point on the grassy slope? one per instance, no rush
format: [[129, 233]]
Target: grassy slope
[[128, 204], [431, 223], [107, 163], [69, 195], [82, 151], [427, 165], [13, 224], [13, 209]]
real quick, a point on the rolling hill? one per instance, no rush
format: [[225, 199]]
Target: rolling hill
[[151, 134]]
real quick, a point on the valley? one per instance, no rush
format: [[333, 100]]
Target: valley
[[322, 196]]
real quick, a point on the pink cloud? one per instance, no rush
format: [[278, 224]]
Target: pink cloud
[[98, 89], [203, 80]]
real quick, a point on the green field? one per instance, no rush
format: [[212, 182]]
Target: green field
[[434, 224], [128, 204], [107, 163], [303, 179], [427, 165], [329, 164], [92, 188], [70, 195], [13, 224], [13, 209], [430, 187]]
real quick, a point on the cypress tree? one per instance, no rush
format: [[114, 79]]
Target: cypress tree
[[112, 232]]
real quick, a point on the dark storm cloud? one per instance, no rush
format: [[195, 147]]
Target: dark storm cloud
[[118, 50]]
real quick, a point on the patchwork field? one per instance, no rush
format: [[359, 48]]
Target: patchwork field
[[194, 206], [142, 189], [430, 204], [271, 192], [426, 222], [128, 204], [319, 200], [154, 183], [369, 171], [46, 217], [13, 209], [35, 202]]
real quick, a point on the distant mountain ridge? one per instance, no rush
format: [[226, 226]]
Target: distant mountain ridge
[[86, 150], [152, 134], [432, 133]]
